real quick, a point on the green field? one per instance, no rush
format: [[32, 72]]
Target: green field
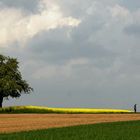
[[40, 109], [104, 131]]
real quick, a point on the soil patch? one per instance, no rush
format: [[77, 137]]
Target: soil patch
[[25, 122]]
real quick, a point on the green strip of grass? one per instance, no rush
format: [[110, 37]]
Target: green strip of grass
[[104, 131]]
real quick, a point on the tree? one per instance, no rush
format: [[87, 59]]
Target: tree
[[11, 82]]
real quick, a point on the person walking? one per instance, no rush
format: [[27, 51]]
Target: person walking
[[135, 108]]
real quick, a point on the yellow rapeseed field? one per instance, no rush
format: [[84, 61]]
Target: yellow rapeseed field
[[40, 109]]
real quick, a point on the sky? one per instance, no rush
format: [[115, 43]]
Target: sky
[[74, 53]]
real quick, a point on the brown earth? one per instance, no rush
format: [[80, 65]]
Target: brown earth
[[24, 122]]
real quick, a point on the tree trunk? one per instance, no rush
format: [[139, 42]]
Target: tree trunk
[[1, 100]]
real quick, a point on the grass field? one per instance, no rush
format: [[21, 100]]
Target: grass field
[[105, 131], [38, 109]]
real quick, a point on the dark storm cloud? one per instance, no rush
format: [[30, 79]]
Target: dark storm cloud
[[27, 5], [133, 29], [90, 25], [57, 47], [131, 4]]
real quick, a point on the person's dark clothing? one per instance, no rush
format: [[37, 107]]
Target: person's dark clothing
[[135, 108]]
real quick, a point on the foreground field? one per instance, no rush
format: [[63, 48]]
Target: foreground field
[[25, 122], [107, 131]]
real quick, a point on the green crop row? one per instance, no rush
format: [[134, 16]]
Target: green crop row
[[104, 131]]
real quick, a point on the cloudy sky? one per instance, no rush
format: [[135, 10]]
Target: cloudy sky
[[74, 53]]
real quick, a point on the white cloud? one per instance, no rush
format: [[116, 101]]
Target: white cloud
[[15, 26], [119, 11]]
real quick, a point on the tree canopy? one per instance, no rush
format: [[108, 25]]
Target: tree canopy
[[11, 82]]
